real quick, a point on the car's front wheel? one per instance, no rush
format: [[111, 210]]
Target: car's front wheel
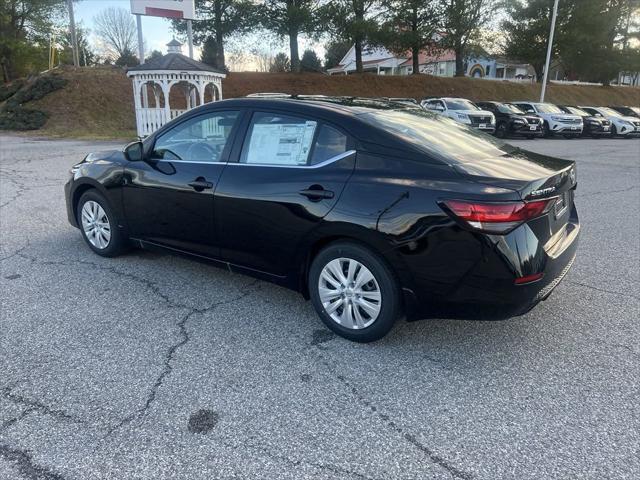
[[99, 225], [354, 292]]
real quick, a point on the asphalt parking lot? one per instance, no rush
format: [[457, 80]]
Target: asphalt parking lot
[[155, 366]]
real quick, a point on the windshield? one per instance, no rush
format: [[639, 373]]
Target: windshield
[[506, 108], [577, 111], [459, 104], [437, 135], [610, 111], [548, 108]]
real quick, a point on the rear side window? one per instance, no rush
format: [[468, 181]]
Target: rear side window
[[330, 142], [276, 139]]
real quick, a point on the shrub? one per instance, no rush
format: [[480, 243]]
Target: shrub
[[8, 89], [22, 119], [35, 90]]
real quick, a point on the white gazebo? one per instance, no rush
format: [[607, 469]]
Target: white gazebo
[[171, 78]]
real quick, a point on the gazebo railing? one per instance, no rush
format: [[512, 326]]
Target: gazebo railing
[[151, 119]]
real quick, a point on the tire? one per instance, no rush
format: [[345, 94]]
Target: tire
[[546, 133], [501, 130], [614, 131], [361, 325], [109, 242]]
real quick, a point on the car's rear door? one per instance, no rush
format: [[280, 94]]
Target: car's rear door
[[285, 175], [168, 198]]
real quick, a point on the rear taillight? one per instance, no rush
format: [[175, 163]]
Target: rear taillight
[[497, 217]]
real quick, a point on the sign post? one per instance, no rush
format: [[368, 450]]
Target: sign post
[[185, 9]]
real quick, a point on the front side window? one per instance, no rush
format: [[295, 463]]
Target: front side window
[[200, 139], [276, 139]]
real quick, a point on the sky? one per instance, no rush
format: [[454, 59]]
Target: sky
[[157, 33], [155, 30]]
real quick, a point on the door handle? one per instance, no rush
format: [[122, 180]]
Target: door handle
[[316, 194], [200, 184]]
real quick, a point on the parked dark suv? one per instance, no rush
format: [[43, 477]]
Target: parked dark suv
[[594, 125], [510, 120]]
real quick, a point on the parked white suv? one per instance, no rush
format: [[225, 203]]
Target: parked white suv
[[620, 124], [463, 111], [556, 122]]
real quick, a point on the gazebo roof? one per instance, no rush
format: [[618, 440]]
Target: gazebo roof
[[174, 61]]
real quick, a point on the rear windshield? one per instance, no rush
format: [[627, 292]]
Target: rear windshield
[[437, 135]]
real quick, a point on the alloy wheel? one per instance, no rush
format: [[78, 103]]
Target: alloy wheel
[[95, 224], [349, 293]]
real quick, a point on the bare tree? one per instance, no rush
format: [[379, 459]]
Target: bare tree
[[117, 30]]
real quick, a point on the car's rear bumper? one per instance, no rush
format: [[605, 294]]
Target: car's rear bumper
[[486, 287]]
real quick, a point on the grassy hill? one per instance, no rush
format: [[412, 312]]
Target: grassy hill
[[98, 102]]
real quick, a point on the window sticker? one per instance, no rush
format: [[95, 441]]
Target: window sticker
[[281, 144]]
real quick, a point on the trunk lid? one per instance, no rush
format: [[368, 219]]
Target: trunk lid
[[533, 177]]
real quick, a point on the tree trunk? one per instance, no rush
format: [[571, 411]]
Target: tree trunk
[[415, 50], [293, 48], [220, 60], [358, 10], [459, 49], [358, 49], [415, 57]]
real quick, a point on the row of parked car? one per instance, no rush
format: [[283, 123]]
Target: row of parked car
[[535, 119]]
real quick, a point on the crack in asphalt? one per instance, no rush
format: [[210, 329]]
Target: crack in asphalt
[[7, 423], [435, 458], [154, 288], [605, 192], [603, 290], [23, 460], [295, 463], [170, 355], [35, 405]]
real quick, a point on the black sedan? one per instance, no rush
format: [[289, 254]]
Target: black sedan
[[594, 126], [511, 121], [372, 210]]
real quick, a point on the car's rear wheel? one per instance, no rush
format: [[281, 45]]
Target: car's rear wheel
[[99, 225], [354, 292]]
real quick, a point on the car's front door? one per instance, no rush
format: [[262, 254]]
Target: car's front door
[[168, 198], [288, 173]]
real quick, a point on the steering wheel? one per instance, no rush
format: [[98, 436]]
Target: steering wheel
[[201, 151]]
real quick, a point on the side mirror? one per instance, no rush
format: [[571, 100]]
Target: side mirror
[[530, 110], [134, 151]]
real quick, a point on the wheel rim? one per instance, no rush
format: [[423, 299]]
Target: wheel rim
[[95, 224], [349, 293]]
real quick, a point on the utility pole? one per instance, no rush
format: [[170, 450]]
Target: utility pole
[[549, 48], [74, 38], [190, 38], [145, 95], [140, 39]]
